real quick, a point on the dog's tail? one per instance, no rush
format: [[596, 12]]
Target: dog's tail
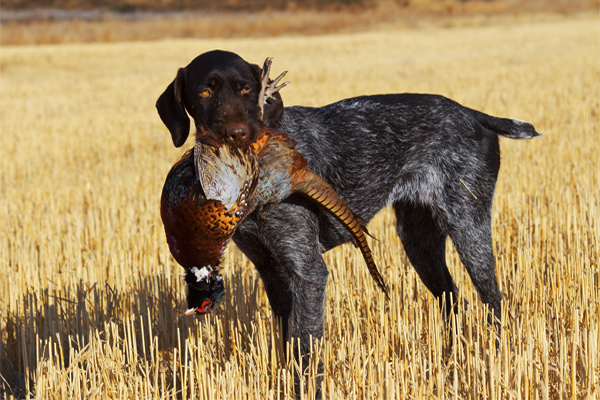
[[510, 128], [318, 190]]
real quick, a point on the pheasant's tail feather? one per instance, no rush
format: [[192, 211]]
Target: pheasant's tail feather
[[363, 225], [318, 190], [364, 228]]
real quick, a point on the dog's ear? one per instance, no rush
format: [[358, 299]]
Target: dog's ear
[[273, 111], [172, 110], [274, 107]]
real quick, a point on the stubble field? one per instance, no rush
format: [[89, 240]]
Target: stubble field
[[91, 300]]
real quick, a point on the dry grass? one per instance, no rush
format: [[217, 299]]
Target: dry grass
[[44, 27], [91, 296]]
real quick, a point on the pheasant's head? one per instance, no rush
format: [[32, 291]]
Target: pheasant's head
[[206, 290]]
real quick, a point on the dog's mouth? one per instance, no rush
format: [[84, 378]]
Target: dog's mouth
[[240, 135], [207, 137]]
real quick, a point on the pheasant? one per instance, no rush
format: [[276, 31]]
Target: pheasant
[[198, 226], [211, 190]]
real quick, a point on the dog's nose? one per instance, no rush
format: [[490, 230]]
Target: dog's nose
[[237, 133]]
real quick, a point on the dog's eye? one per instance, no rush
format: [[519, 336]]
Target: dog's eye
[[246, 89], [206, 93]]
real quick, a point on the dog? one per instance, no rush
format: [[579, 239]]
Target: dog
[[433, 160]]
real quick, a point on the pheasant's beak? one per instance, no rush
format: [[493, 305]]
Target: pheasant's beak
[[189, 311]]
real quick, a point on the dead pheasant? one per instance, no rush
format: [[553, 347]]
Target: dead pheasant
[[210, 191], [199, 222]]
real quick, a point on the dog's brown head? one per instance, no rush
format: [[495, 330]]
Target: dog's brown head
[[220, 91]]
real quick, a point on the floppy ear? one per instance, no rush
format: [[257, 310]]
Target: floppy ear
[[172, 111], [274, 107]]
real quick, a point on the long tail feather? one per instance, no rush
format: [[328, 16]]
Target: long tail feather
[[315, 188]]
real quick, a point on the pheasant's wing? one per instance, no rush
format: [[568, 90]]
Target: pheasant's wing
[[227, 175]]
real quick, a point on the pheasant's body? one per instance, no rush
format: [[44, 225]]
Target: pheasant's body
[[198, 227], [210, 191]]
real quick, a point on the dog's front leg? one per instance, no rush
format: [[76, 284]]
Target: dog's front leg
[[282, 242], [306, 319]]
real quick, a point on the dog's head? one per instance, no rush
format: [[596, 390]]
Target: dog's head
[[220, 91]]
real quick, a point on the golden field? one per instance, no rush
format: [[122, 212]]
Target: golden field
[[91, 299]]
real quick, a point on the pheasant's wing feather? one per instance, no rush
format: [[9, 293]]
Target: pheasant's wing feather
[[227, 175]]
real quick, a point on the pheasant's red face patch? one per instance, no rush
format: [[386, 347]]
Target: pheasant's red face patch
[[205, 307]]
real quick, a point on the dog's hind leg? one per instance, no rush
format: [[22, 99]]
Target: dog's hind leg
[[472, 238], [424, 242]]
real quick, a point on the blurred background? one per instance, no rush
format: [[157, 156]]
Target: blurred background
[[80, 21]]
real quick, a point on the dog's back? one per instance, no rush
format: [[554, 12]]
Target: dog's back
[[375, 150]]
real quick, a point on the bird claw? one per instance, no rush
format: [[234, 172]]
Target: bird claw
[[267, 90]]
